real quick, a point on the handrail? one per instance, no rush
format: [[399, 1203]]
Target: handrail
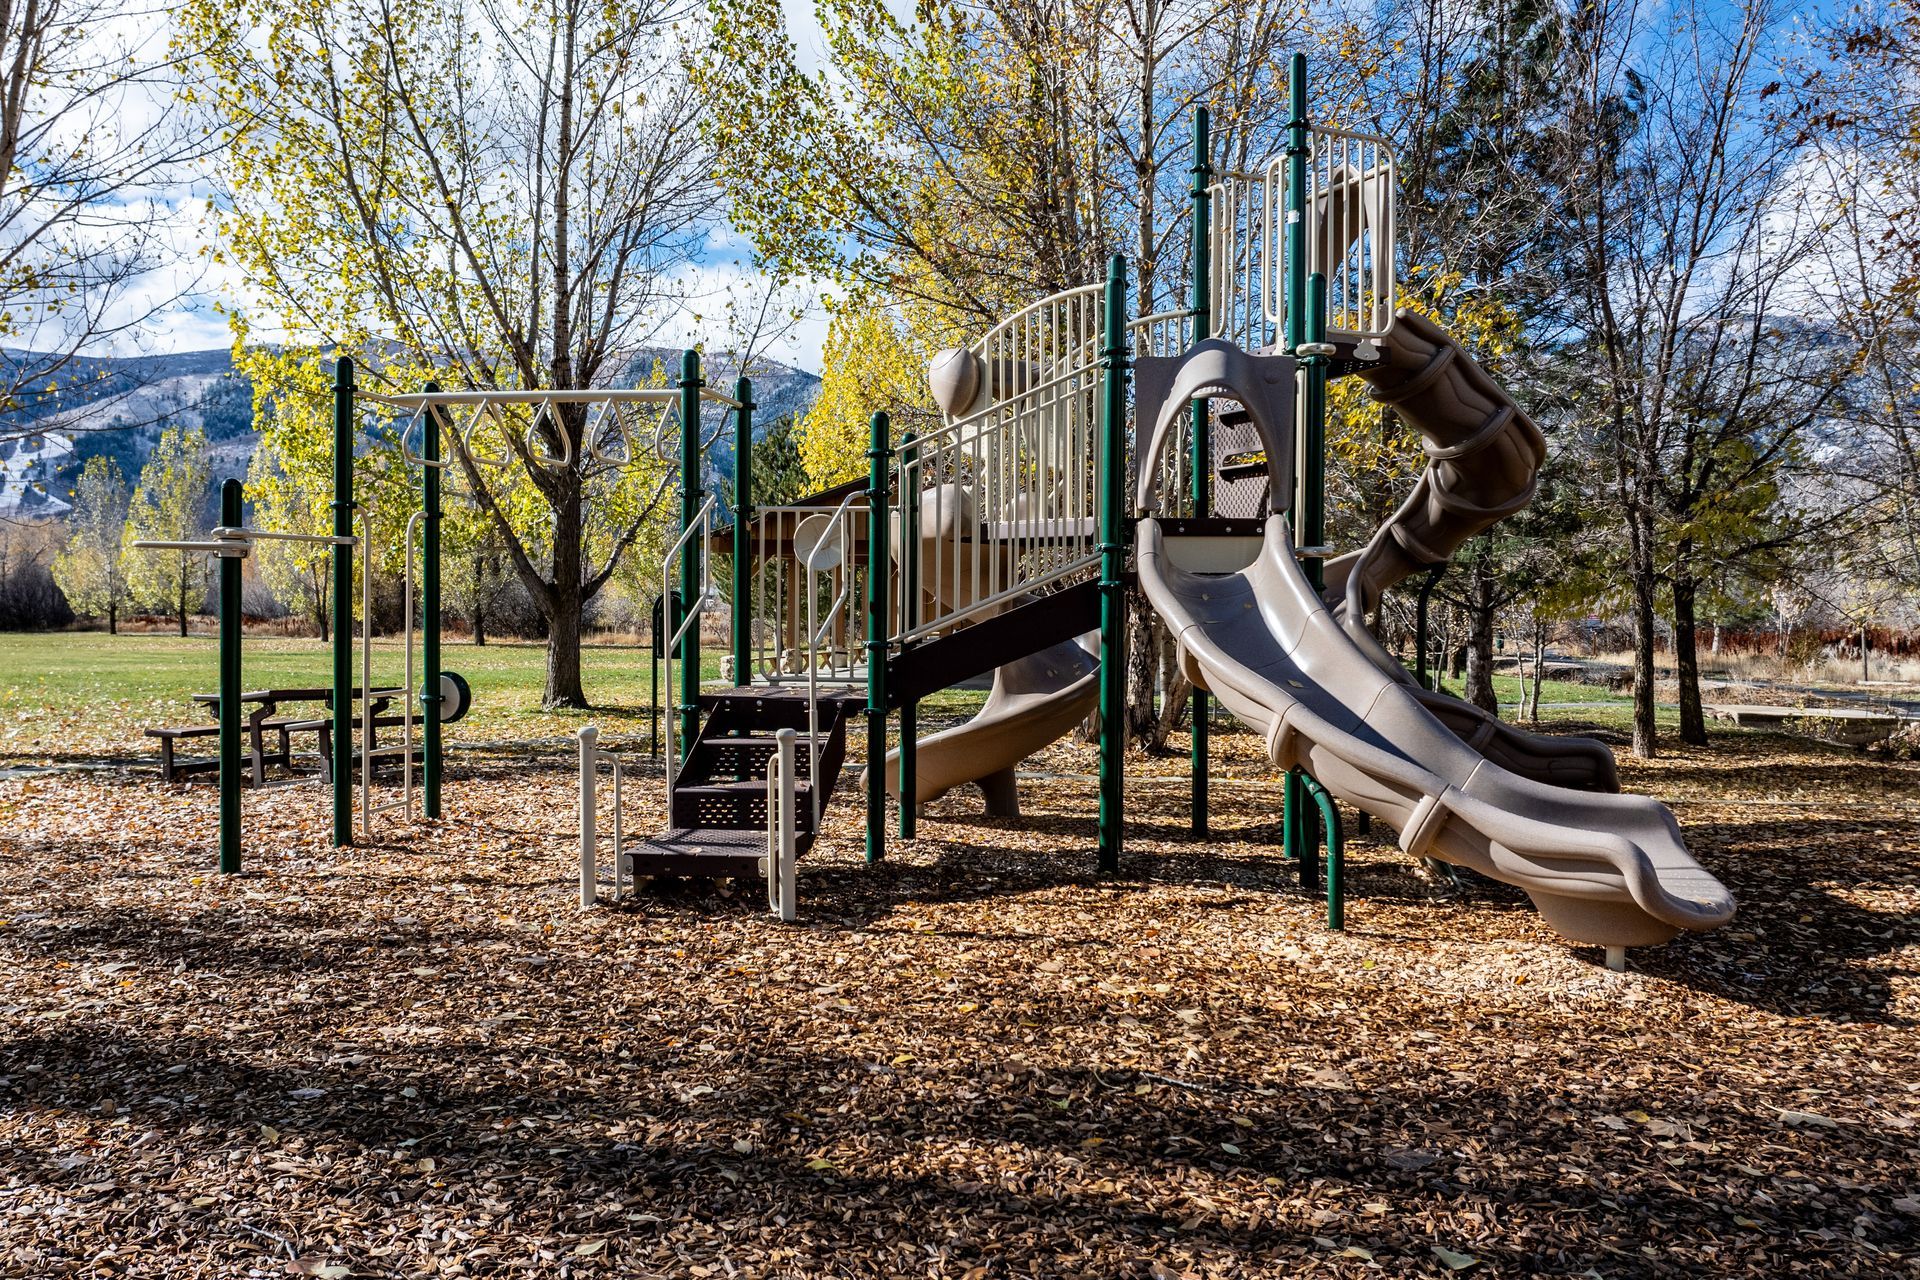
[[782, 892], [1248, 250], [815, 632], [702, 523], [1086, 290], [1012, 485], [1352, 247]]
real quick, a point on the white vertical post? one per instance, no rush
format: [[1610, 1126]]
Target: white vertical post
[[366, 674], [589, 759], [619, 832], [781, 890]]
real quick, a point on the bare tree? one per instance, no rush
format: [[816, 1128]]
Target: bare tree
[[1672, 267], [502, 195], [91, 155]]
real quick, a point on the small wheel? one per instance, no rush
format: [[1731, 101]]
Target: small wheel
[[456, 695]]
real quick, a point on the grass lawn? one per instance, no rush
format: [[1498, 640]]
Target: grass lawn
[[75, 695], [975, 1060]]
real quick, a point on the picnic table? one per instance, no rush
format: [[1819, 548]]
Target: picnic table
[[261, 709]]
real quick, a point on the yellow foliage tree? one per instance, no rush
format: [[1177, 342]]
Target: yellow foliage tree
[[875, 359], [399, 189]]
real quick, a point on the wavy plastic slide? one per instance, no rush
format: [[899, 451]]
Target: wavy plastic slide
[[1606, 869]]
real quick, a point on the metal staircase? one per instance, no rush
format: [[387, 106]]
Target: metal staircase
[[718, 797]]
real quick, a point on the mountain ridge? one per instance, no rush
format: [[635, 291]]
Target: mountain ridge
[[118, 406]]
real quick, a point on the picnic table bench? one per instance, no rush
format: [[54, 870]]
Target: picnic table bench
[[260, 720]]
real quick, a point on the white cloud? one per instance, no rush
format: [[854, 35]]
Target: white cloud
[[722, 301]]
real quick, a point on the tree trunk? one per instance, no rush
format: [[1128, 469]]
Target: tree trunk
[[113, 619], [1480, 641], [478, 614], [181, 600], [564, 601], [1178, 697], [1142, 661], [1686, 657], [1539, 670], [1641, 571]]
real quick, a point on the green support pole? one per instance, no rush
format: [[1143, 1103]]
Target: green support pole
[[878, 567], [1113, 564], [1313, 480], [1202, 425], [343, 601], [1304, 828], [909, 619], [1420, 636], [1290, 815], [743, 533], [232, 759], [1294, 296], [690, 500], [430, 743], [1336, 851], [1297, 152]]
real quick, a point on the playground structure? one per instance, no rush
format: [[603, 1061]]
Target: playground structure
[[998, 543]]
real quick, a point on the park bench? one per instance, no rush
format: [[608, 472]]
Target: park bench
[[259, 757], [261, 722]]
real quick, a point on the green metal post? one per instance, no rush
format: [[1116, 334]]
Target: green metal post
[[1113, 564], [1294, 295], [1336, 851], [878, 568], [909, 619], [1202, 425], [1304, 826], [430, 744], [1296, 248], [231, 754], [743, 533], [343, 601], [691, 497], [1312, 529], [1420, 636]]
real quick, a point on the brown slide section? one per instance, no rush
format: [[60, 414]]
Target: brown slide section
[[1607, 869], [1484, 457]]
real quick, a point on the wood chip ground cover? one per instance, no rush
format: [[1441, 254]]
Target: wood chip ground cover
[[975, 1060]]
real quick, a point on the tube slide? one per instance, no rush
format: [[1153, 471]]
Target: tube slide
[[1484, 457], [1606, 869]]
